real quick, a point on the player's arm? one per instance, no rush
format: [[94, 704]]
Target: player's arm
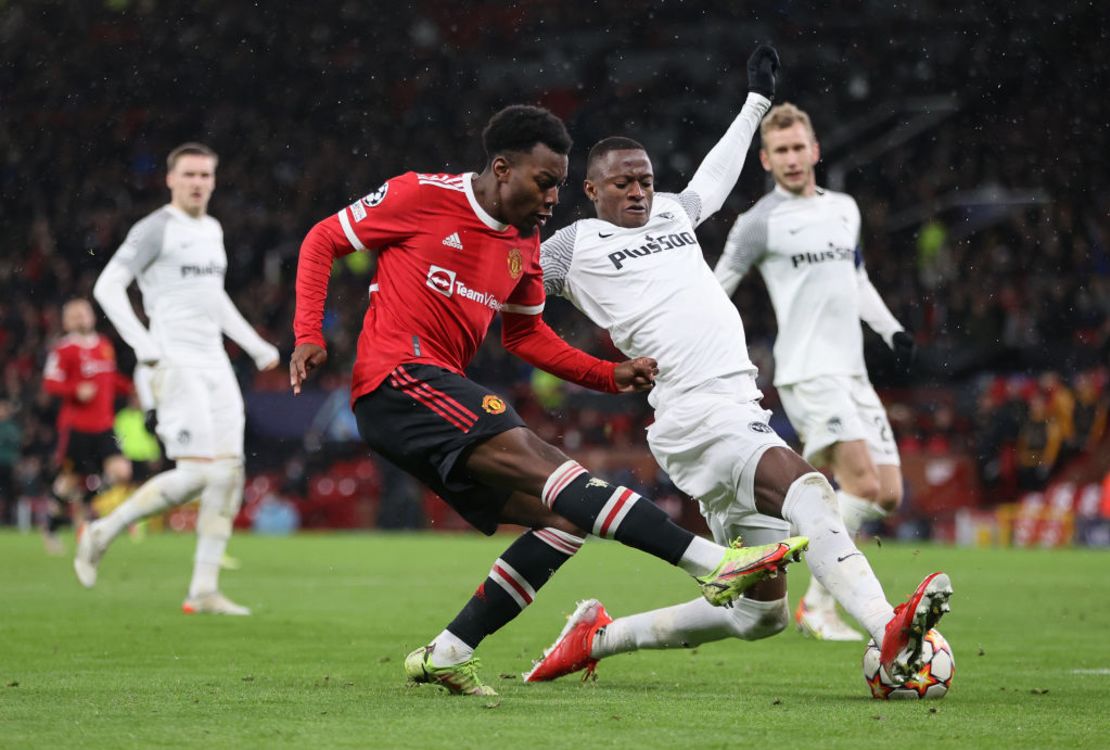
[[139, 249], [744, 247], [264, 354], [717, 174], [874, 312], [58, 379], [382, 217]]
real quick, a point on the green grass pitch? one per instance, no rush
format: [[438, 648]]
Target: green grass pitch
[[319, 664]]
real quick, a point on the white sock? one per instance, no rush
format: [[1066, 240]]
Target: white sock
[[833, 558], [855, 511], [448, 649], [690, 624], [702, 557], [219, 503], [159, 493]]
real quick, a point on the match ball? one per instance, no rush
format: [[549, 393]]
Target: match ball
[[931, 681]]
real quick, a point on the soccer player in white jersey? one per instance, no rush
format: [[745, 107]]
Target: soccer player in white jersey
[[805, 240], [177, 255], [637, 270]]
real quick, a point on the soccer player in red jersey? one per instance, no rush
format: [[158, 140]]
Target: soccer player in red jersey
[[453, 250], [81, 370]]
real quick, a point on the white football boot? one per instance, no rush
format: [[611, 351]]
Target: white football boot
[[213, 603], [824, 624], [90, 548]]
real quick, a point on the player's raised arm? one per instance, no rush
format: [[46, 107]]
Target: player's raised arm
[[718, 172]]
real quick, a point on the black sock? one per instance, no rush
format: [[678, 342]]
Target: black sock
[[614, 512], [513, 581]]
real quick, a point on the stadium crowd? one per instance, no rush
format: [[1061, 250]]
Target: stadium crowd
[[987, 230]]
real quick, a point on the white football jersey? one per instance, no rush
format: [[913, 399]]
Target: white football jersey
[[179, 261], [807, 249], [651, 289]]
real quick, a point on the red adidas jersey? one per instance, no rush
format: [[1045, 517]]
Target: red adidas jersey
[[445, 268], [79, 359]]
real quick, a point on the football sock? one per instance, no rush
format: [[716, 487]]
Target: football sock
[[219, 504], [854, 511], [511, 586], [159, 493], [834, 559], [614, 512], [691, 624]]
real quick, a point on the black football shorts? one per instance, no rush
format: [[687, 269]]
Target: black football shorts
[[424, 419]]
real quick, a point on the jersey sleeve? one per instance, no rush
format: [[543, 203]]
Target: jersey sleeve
[[143, 243], [746, 243], [56, 376], [717, 174], [383, 217], [556, 255], [527, 297]]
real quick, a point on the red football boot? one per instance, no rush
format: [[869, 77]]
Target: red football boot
[[901, 650], [571, 650]]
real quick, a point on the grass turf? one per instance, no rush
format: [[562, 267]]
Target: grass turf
[[320, 662]]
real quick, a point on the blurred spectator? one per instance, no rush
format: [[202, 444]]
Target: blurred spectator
[[1038, 445], [1091, 407], [11, 439]]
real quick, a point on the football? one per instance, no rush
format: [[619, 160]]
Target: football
[[931, 681]]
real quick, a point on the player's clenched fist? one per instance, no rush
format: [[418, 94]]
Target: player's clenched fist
[[305, 359], [636, 375], [762, 67]]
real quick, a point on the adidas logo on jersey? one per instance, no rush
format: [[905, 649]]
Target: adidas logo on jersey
[[453, 240]]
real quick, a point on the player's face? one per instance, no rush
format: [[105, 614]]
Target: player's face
[[78, 317], [191, 182], [621, 185], [790, 154], [528, 187]]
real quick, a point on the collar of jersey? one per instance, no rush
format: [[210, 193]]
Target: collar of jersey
[[787, 194], [489, 221], [178, 212]]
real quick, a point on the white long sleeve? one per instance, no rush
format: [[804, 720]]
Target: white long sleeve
[[873, 311], [242, 333], [717, 174], [110, 292]]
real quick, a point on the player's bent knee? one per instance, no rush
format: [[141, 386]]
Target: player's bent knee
[[770, 619]]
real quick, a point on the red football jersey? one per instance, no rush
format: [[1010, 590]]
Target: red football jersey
[[445, 269], [79, 359]]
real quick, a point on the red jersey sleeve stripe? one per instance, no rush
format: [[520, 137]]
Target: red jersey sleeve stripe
[[349, 231], [524, 309]]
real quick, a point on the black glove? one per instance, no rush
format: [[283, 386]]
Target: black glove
[[762, 66], [150, 421], [904, 349]]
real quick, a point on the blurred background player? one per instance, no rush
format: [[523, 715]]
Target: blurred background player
[[805, 240], [638, 271], [81, 371], [177, 255], [454, 249]]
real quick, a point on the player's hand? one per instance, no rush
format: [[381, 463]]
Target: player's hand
[[305, 359], [636, 375], [762, 67], [85, 392], [267, 359], [904, 349]]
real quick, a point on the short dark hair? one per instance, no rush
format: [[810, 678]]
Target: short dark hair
[[185, 149], [612, 143], [520, 127]]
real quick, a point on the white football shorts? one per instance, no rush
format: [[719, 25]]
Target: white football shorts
[[200, 410], [710, 446], [838, 408]]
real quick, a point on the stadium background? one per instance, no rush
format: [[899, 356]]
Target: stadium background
[[973, 138]]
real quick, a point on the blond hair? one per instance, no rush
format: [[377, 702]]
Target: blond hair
[[783, 116], [189, 149]]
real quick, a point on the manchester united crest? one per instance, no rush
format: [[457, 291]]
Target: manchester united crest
[[516, 263], [494, 404]]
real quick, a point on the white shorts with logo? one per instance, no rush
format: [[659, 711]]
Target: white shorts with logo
[[200, 410], [839, 408], [710, 446]]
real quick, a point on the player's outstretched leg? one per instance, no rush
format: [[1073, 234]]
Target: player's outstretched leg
[[511, 586], [591, 634], [614, 512], [810, 505], [219, 504], [159, 493]]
